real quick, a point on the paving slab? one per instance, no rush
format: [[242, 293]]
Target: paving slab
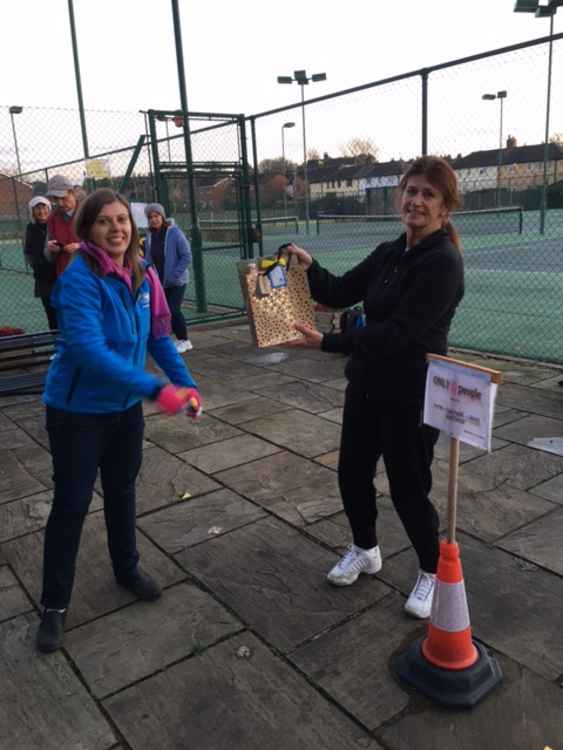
[[220, 700], [338, 384], [505, 415], [165, 479], [274, 579], [251, 408], [486, 507], [291, 487], [306, 396], [522, 713], [315, 370], [333, 415], [306, 434], [5, 423], [540, 542], [195, 521], [522, 373], [531, 400], [517, 466], [136, 641], [210, 364], [530, 427], [335, 531], [466, 452], [15, 480], [13, 600], [551, 384], [23, 410], [95, 590], [43, 704], [15, 437], [6, 401], [216, 393], [36, 462], [179, 434], [350, 662], [228, 453], [513, 604], [550, 490]]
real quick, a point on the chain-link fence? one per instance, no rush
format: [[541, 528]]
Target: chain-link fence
[[511, 222], [487, 115]]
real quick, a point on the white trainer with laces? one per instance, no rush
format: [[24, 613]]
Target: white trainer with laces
[[184, 345], [355, 562], [419, 603]]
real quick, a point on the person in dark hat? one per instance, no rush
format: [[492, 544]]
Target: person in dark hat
[[168, 249], [63, 241], [38, 257]]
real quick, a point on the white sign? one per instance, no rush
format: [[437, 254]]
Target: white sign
[[460, 401], [138, 211]]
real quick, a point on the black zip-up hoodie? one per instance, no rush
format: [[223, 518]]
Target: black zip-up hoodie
[[409, 299]]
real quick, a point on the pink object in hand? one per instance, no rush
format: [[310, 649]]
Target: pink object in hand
[[172, 399]]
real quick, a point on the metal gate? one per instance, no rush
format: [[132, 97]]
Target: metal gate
[[201, 176]]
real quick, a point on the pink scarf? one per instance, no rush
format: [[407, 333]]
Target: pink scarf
[[160, 312]]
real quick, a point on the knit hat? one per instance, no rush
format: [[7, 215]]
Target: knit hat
[[155, 208], [59, 186], [38, 200]]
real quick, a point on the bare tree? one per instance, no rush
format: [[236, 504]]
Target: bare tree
[[360, 148]]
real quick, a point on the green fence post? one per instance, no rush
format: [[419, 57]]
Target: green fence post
[[256, 178], [246, 216], [424, 76], [131, 165], [197, 249]]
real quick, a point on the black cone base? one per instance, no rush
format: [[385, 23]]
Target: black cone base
[[462, 688]]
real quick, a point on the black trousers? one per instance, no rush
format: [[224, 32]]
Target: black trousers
[[50, 312], [80, 443], [395, 431], [174, 297]]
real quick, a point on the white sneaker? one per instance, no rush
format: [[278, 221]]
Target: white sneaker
[[355, 561], [184, 345], [419, 603]]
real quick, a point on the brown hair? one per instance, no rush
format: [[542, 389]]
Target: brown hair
[[442, 177], [86, 216]]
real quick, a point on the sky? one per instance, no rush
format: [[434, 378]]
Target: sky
[[234, 52]]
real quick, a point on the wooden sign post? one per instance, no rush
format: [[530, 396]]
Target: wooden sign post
[[459, 400]]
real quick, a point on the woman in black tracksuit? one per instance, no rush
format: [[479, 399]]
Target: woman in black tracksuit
[[410, 289]]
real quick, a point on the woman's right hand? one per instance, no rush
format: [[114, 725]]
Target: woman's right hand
[[302, 255], [53, 246]]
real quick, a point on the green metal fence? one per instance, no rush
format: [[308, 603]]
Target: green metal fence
[[513, 257]]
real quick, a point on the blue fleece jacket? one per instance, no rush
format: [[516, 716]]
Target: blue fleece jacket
[[101, 352], [177, 256]]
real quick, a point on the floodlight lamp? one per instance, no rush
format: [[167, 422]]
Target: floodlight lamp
[[285, 79], [288, 125], [15, 110], [526, 6], [300, 76], [502, 94], [318, 77], [545, 11], [489, 97]]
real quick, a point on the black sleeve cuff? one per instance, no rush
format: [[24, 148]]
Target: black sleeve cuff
[[333, 342]]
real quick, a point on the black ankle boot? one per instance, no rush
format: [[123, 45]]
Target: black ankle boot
[[51, 631], [141, 584]]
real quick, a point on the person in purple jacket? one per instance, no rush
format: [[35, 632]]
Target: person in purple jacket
[[111, 311], [410, 289]]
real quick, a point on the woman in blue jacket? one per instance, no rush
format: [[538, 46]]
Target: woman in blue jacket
[[167, 247], [111, 310]]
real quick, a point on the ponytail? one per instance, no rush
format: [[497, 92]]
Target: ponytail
[[454, 235]]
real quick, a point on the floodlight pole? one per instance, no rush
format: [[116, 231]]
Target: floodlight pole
[[284, 126], [16, 111], [78, 81], [543, 209], [195, 230]]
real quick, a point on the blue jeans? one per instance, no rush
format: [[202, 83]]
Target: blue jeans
[[80, 443]]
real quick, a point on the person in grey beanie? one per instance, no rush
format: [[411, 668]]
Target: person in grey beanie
[[35, 249], [168, 249]]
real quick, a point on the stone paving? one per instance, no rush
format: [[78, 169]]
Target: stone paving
[[239, 518]]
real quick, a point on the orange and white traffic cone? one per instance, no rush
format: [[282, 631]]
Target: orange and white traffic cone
[[448, 665]]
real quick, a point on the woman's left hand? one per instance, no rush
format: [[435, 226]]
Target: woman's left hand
[[312, 339]]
